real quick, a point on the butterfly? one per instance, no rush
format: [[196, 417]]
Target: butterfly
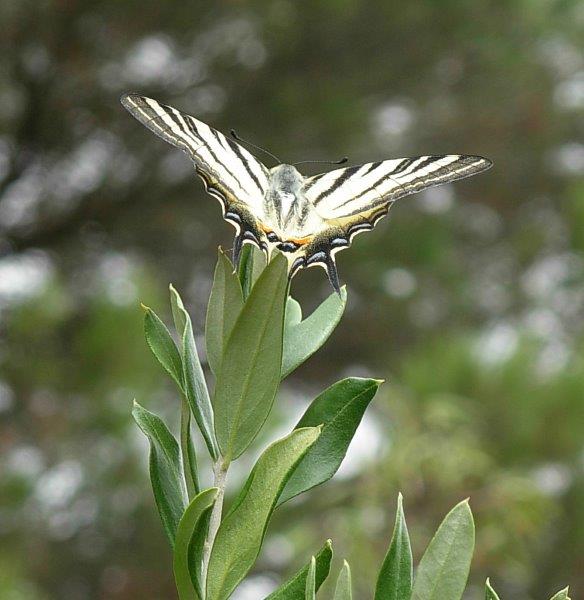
[[309, 219]]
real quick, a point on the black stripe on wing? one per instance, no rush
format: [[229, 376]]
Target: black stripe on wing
[[164, 121], [337, 183], [226, 161], [230, 173], [375, 184]]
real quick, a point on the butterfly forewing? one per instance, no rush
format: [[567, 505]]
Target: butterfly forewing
[[349, 192], [226, 167]]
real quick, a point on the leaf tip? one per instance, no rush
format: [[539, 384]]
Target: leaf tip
[[145, 308]]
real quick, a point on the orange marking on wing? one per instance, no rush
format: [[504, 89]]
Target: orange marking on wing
[[300, 241]]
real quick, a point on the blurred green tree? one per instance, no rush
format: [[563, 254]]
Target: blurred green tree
[[470, 300]]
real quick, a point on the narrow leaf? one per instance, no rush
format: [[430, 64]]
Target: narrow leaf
[[165, 469], [250, 370], [395, 577], [293, 313], [310, 591], [224, 307], [294, 588], [178, 311], [443, 570], [561, 595], [196, 388], [302, 340], [242, 531], [186, 575], [251, 264], [490, 593], [343, 589], [187, 451], [339, 409], [162, 345]]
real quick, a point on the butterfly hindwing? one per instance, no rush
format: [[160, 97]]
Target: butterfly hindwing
[[230, 173]]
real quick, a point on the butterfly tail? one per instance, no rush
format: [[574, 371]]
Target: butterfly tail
[[333, 275], [237, 246]]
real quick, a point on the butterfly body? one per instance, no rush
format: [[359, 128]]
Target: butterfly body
[[309, 219]]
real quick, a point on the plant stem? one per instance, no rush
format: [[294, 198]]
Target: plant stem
[[220, 469]]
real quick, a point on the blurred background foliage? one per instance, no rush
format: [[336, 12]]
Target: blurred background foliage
[[469, 299]]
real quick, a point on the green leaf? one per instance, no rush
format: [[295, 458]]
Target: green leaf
[[224, 307], [178, 311], [195, 386], [490, 593], [251, 263], [395, 577], [310, 590], [443, 570], [250, 371], [293, 313], [162, 345], [343, 588], [340, 409], [165, 469], [242, 531], [190, 531], [187, 451], [294, 588], [561, 595], [303, 339], [196, 389]]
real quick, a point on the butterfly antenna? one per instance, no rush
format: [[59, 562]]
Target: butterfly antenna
[[341, 161], [236, 137]]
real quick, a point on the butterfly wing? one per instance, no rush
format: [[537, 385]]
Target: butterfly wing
[[230, 173], [354, 199], [346, 194]]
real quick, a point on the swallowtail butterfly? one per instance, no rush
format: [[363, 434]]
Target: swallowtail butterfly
[[309, 219]]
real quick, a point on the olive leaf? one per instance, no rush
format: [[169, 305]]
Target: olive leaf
[[343, 588], [242, 531], [395, 577], [339, 409], [224, 306], [250, 370], [165, 469], [303, 338], [190, 534], [443, 570]]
